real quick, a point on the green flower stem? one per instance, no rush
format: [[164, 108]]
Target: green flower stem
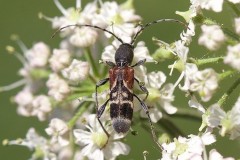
[[170, 127], [234, 7], [190, 114], [227, 74], [89, 58], [82, 88], [77, 96], [223, 99], [39, 73], [13, 85], [93, 79], [205, 157], [105, 70], [200, 62], [72, 144], [81, 110]]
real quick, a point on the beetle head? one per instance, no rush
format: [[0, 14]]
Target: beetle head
[[124, 55]]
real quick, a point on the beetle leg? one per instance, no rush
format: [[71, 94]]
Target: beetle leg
[[139, 63], [145, 108], [110, 64], [102, 108], [142, 87], [99, 114], [100, 83]]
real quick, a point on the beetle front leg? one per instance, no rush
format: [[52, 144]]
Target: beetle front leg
[[139, 63], [100, 83]]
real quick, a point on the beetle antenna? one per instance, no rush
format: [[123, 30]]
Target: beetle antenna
[[154, 22], [87, 25]]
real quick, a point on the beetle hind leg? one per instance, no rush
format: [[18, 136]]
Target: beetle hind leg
[[145, 108]]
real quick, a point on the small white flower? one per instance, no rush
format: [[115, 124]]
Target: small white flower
[[76, 36], [24, 97], [186, 37], [162, 97], [156, 79], [194, 9], [231, 122], [141, 52], [112, 12], [38, 55], [195, 104], [234, 1], [215, 5], [117, 19], [205, 83], [183, 149], [181, 51], [212, 37], [31, 141], [187, 148], [190, 70], [212, 117], [58, 88], [208, 138], [74, 15], [41, 107], [83, 37], [233, 56], [24, 100], [66, 153], [214, 155], [37, 143], [60, 59], [58, 129], [79, 156], [77, 71], [96, 144], [109, 51], [158, 94], [167, 97]]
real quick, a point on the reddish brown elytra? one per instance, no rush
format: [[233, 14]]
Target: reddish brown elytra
[[121, 77]]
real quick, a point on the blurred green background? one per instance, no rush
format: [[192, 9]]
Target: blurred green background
[[21, 18]]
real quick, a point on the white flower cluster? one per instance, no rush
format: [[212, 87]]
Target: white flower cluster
[[116, 18], [191, 148], [96, 144], [54, 78], [228, 121], [203, 82]]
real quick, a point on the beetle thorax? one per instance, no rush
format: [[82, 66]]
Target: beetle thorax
[[124, 55]]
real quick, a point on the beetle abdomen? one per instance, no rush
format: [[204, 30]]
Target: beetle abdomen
[[121, 125], [121, 115]]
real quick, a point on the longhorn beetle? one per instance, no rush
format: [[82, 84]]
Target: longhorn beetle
[[121, 78]]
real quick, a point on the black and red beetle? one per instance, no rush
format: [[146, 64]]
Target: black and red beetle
[[121, 78]]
